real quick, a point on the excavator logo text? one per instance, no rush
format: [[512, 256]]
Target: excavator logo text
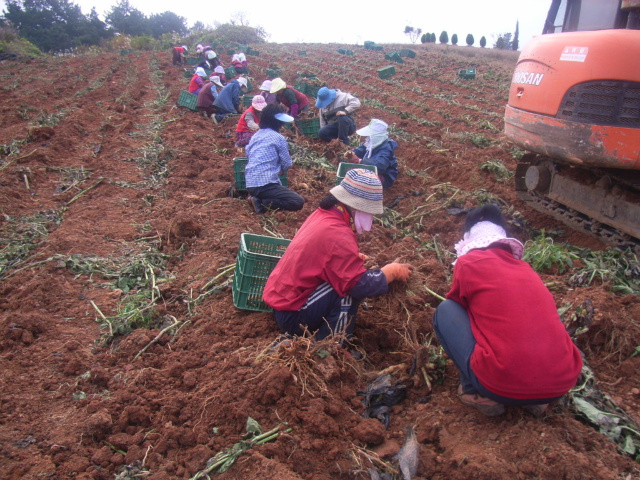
[[527, 78]]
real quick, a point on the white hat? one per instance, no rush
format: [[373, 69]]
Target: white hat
[[277, 84], [375, 127], [216, 79], [200, 72], [185, 47], [266, 85], [211, 55], [219, 69], [283, 117], [242, 81]]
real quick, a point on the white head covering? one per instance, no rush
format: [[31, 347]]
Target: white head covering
[[376, 133], [484, 234], [200, 72], [219, 69]]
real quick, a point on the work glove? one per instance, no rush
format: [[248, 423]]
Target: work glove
[[397, 271], [349, 156]]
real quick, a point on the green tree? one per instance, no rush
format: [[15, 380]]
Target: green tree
[[127, 20], [514, 44], [470, 40], [242, 34], [413, 33], [433, 37], [503, 42], [444, 37], [424, 38], [54, 25], [483, 42], [454, 39], [166, 22]]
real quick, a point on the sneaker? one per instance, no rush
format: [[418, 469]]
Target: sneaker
[[536, 410], [485, 405], [254, 203]]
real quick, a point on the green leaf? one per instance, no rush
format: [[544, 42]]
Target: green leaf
[[253, 427]]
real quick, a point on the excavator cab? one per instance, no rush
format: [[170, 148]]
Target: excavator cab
[[574, 106]]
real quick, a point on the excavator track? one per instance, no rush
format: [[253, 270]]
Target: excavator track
[[543, 186]]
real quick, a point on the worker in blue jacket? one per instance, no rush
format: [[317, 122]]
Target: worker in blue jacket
[[228, 101], [377, 150]]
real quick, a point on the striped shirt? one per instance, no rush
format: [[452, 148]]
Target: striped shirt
[[268, 155]]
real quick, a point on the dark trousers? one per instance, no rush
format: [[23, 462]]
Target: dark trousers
[[342, 129], [453, 329], [324, 313], [276, 197]]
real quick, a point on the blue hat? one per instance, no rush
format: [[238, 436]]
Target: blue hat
[[325, 97]]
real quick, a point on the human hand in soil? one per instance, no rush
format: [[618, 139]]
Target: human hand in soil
[[351, 157], [363, 257], [397, 271]]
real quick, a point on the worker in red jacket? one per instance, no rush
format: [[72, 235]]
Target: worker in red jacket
[[500, 325], [179, 54], [321, 278], [296, 102]]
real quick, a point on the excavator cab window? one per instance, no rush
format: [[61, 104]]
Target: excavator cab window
[[588, 15]]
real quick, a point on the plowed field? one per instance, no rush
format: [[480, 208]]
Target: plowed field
[[115, 206]]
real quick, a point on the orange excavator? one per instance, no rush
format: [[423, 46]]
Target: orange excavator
[[574, 106]]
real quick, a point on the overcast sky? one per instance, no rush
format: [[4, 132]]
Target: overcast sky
[[353, 22]]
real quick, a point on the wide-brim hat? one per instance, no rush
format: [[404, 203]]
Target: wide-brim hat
[[242, 81], [360, 189], [266, 86], [258, 102], [277, 84], [216, 79], [200, 72], [283, 117], [325, 97], [375, 127]]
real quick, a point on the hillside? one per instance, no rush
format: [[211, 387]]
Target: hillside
[[115, 212]]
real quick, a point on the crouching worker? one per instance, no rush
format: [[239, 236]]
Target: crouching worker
[[321, 278], [500, 325], [268, 158], [377, 150]]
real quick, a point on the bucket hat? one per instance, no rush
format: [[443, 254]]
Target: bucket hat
[[211, 55], [361, 189], [200, 72], [185, 47], [242, 81], [277, 84], [325, 97], [258, 102], [266, 86], [375, 127], [216, 79]]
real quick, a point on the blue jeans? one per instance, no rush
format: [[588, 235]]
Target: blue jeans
[[325, 313], [276, 197], [342, 129], [453, 329]]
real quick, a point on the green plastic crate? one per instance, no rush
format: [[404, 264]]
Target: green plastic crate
[[239, 164], [257, 257], [345, 51], [309, 126], [405, 52], [368, 44], [246, 100], [188, 100], [188, 74], [302, 52], [394, 57], [193, 60], [386, 72], [273, 73], [230, 72], [344, 167], [467, 73], [377, 48]]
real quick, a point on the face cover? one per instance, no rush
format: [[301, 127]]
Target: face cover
[[362, 221]]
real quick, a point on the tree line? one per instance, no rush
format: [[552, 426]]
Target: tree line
[[504, 41], [59, 25]]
